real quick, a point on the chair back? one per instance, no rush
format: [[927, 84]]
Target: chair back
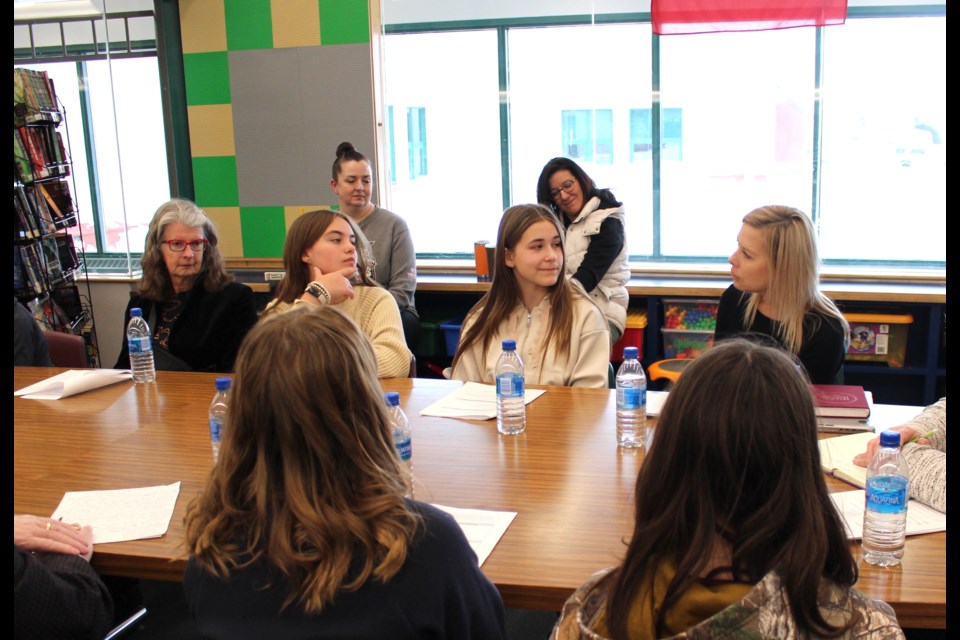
[[413, 366], [66, 350]]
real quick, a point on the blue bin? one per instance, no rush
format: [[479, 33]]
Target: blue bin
[[451, 335]]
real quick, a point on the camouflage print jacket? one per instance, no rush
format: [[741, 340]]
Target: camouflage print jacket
[[762, 613]]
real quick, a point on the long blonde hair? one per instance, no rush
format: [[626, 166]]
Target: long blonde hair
[[504, 294], [790, 245], [308, 480]]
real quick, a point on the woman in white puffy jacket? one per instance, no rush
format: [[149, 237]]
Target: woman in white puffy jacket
[[595, 236]]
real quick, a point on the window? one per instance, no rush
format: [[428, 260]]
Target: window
[[641, 134], [587, 134], [114, 121], [417, 141], [834, 121], [391, 147], [462, 189]]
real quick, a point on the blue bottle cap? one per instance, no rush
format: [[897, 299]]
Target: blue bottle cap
[[135, 312], [630, 352], [889, 439], [393, 398], [223, 384], [509, 345]]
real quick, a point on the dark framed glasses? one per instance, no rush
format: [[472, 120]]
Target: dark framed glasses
[[566, 186]]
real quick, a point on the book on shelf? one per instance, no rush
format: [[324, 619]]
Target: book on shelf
[[21, 158], [45, 220], [69, 261], [68, 301], [31, 268], [18, 283], [51, 203], [38, 164], [59, 198], [837, 454], [840, 401], [51, 258], [34, 89], [25, 216]]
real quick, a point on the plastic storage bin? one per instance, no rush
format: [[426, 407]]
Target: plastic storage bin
[[632, 334], [685, 343], [451, 335], [877, 337], [431, 340], [695, 315]]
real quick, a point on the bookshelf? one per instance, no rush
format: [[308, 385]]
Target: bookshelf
[[46, 263]]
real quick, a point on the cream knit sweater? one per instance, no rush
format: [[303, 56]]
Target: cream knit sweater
[[377, 314]]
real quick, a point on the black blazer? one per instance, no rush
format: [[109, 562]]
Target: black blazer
[[208, 333]]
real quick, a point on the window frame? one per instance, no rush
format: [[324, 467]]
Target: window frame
[[661, 141]]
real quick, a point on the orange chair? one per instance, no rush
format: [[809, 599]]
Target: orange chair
[[670, 369], [66, 350]]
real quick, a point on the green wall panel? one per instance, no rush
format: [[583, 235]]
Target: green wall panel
[[215, 179], [264, 231], [207, 78], [249, 24], [344, 22]]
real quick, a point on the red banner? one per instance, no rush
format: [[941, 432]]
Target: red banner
[[676, 17]]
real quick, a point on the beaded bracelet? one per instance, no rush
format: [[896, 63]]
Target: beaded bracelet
[[317, 290]]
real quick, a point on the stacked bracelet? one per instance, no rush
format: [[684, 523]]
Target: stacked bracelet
[[318, 291]]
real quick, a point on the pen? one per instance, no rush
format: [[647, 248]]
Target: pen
[[920, 437]]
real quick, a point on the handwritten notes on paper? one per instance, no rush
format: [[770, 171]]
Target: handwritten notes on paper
[[70, 383], [482, 528], [121, 514], [920, 517]]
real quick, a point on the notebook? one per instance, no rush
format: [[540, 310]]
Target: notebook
[[836, 457]]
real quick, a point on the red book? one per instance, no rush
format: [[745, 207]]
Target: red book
[[840, 401]]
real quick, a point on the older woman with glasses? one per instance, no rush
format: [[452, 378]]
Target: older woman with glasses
[[198, 315], [595, 236]]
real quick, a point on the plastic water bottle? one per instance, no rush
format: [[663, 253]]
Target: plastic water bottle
[[140, 347], [631, 400], [218, 414], [511, 410], [402, 437], [885, 514]]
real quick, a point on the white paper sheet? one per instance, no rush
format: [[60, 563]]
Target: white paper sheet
[[920, 517], [482, 528], [473, 401], [70, 383], [655, 400], [121, 514]]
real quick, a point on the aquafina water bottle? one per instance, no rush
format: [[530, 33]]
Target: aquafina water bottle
[[631, 400], [511, 410], [140, 347], [885, 512]]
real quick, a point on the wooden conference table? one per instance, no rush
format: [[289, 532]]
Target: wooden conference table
[[565, 477]]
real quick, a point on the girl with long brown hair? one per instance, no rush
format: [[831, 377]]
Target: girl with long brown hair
[[302, 529], [562, 337]]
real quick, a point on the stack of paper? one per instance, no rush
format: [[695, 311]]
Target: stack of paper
[[70, 383], [473, 401]]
